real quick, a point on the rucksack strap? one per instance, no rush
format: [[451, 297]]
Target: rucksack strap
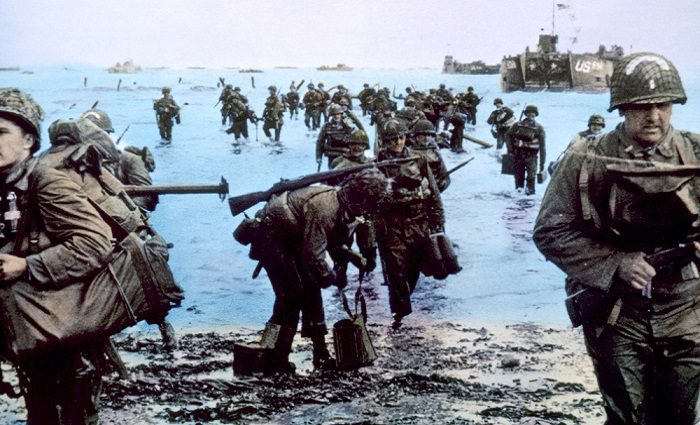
[[583, 184]]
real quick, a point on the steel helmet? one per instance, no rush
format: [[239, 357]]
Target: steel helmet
[[165, 90], [393, 130], [424, 127], [596, 119], [335, 109], [229, 86], [311, 85], [359, 137], [100, 118], [642, 78], [272, 88], [20, 105], [532, 108], [497, 101]]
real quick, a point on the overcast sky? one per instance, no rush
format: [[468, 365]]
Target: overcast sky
[[360, 33]]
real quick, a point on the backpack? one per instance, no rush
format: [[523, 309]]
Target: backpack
[[146, 156]]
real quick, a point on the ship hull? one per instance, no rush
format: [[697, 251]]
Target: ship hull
[[581, 72]]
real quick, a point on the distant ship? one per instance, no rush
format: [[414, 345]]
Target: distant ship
[[250, 70], [339, 67], [127, 67], [549, 69], [9, 68], [451, 66]]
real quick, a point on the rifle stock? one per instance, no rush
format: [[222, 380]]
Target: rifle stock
[[240, 203]]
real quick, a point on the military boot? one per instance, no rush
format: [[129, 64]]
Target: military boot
[[278, 340], [321, 357], [167, 333]]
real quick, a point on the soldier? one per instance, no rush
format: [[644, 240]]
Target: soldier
[[406, 220], [348, 115], [273, 115], [430, 106], [131, 166], [366, 95], [224, 98], [471, 100], [325, 102], [241, 114], [295, 230], [363, 232], [166, 110], [333, 138], [409, 116], [526, 140], [423, 136], [69, 243], [596, 123], [601, 220], [500, 119], [291, 102], [342, 95], [312, 104], [458, 116]]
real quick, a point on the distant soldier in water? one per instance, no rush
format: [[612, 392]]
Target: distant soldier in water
[[500, 119], [596, 124], [312, 105], [366, 95], [273, 115], [333, 138], [325, 101], [241, 114], [526, 139], [167, 110], [224, 98], [291, 101], [471, 100], [340, 95]]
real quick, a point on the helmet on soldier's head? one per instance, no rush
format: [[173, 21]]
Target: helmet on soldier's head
[[361, 193], [311, 86], [365, 85], [335, 109], [498, 101], [100, 118], [643, 78], [359, 137], [229, 86], [386, 90], [273, 89], [393, 129], [442, 86], [22, 109], [596, 119], [408, 89], [533, 109], [423, 127], [165, 90], [236, 88], [341, 87], [470, 88], [320, 84], [410, 101]]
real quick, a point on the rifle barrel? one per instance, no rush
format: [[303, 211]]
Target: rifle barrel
[[220, 189], [458, 166]]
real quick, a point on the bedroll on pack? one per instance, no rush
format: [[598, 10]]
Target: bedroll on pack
[[353, 348], [135, 285]]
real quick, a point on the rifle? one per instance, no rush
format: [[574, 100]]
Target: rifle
[[217, 102], [94, 105], [458, 166], [240, 203], [122, 135], [220, 189], [300, 84]]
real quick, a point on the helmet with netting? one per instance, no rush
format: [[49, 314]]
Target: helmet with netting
[[359, 137], [362, 192], [393, 129], [99, 117], [498, 101], [25, 111], [424, 127], [642, 78], [335, 109], [533, 109], [165, 90], [596, 119]]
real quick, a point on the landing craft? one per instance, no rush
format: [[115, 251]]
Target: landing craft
[[549, 69]]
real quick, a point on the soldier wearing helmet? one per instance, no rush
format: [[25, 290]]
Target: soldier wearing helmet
[[68, 243], [411, 214], [312, 103], [167, 110], [596, 123], [423, 137], [613, 203], [342, 96], [501, 119], [273, 115], [226, 97], [471, 100], [325, 101], [366, 95], [100, 118], [526, 142], [334, 136]]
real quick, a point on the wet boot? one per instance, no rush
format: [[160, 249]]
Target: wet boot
[[278, 340], [322, 359]]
